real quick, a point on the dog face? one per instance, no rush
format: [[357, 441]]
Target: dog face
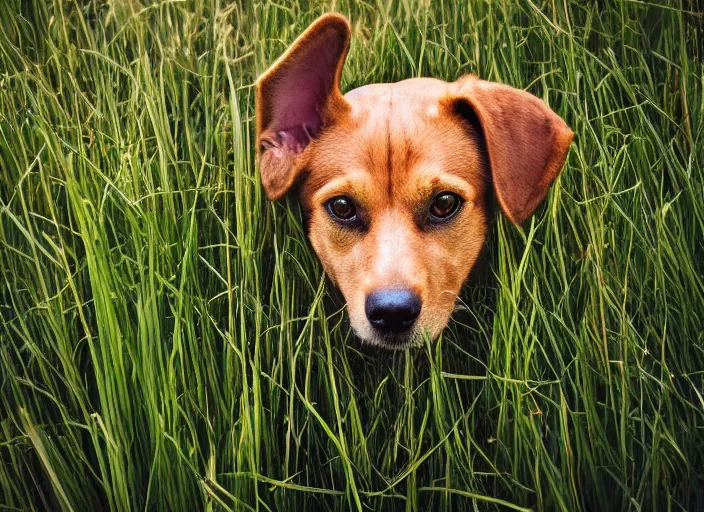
[[396, 179]]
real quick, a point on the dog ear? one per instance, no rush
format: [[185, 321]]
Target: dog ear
[[526, 142], [297, 96]]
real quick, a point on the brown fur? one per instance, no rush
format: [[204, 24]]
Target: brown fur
[[392, 147]]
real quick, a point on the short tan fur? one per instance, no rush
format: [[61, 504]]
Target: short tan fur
[[394, 155]]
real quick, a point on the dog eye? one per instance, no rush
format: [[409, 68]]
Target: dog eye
[[444, 206], [342, 208]]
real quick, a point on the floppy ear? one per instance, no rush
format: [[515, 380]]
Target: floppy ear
[[297, 96], [527, 143]]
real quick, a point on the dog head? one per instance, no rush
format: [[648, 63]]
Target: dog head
[[396, 179]]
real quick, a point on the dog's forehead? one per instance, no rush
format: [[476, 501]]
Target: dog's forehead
[[412, 99], [391, 132]]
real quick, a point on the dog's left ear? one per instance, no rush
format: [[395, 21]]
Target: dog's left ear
[[527, 143], [297, 96]]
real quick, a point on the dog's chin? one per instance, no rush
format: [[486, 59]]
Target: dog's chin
[[400, 341], [412, 338], [428, 328]]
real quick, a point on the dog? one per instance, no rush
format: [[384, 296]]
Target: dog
[[397, 180]]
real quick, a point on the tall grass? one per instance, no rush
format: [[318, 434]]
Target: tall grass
[[167, 337]]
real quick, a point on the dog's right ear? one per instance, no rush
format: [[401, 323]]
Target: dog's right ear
[[297, 96]]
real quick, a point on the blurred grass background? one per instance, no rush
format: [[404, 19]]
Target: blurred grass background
[[167, 337]]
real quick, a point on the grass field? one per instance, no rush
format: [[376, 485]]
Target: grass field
[[167, 337]]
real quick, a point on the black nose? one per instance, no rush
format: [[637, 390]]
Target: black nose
[[392, 310]]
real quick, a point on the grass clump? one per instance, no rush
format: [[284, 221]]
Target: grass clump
[[167, 339]]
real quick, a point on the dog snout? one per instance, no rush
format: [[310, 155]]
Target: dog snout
[[393, 311]]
